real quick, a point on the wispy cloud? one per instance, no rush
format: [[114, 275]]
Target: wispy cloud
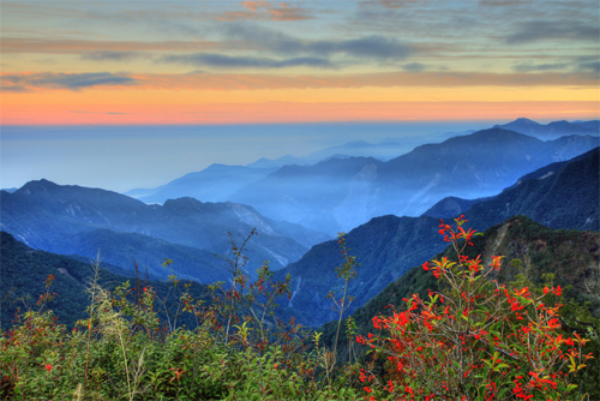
[[398, 3], [242, 36], [225, 82], [109, 113], [112, 55], [529, 67], [47, 80], [145, 15], [223, 61], [372, 46], [263, 10], [42, 45], [414, 67], [501, 3], [540, 30], [593, 66]]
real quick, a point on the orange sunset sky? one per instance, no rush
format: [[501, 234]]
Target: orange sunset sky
[[223, 62]]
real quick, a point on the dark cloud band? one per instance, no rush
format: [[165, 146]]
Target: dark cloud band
[[535, 31], [48, 80], [370, 47], [223, 61]]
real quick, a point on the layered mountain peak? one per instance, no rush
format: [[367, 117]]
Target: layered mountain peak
[[51, 193], [58, 218], [524, 121], [553, 130], [39, 185], [493, 134], [187, 204]]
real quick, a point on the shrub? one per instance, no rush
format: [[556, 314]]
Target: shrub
[[474, 339]]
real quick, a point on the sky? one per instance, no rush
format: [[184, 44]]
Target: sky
[[83, 64]]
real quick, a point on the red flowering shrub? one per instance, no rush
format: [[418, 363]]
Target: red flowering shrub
[[475, 339]]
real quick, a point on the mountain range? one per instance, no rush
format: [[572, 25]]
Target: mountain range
[[341, 187], [553, 130], [490, 176], [560, 195], [387, 246], [77, 220], [340, 194], [218, 182]]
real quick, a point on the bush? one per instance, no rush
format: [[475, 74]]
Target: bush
[[474, 339]]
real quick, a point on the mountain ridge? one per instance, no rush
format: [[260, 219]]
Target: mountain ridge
[[44, 215], [554, 129], [476, 165], [388, 246]]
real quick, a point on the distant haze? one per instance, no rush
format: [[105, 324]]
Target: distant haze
[[120, 158]]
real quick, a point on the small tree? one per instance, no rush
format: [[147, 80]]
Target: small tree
[[347, 272]]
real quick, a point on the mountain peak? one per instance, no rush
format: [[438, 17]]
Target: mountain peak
[[496, 132], [553, 130], [183, 202], [524, 120], [39, 185], [519, 124], [559, 123]]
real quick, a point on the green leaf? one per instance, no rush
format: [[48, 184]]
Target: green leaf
[[501, 366]]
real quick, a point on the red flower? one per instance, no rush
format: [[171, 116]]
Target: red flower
[[49, 367]]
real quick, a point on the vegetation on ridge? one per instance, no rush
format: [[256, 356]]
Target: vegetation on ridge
[[465, 339]]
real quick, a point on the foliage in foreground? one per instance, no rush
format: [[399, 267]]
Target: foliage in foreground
[[476, 339], [470, 340]]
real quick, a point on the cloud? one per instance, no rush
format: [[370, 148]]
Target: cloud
[[223, 61], [170, 18], [287, 13], [11, 87], [111, 56], [47, 80], [414, 67], [373, 46], [540, 30], [225, 82], [501, 3], [593, 66], [263, 10], [91, 112], [397, 3], [529, 67], [42, 45]]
